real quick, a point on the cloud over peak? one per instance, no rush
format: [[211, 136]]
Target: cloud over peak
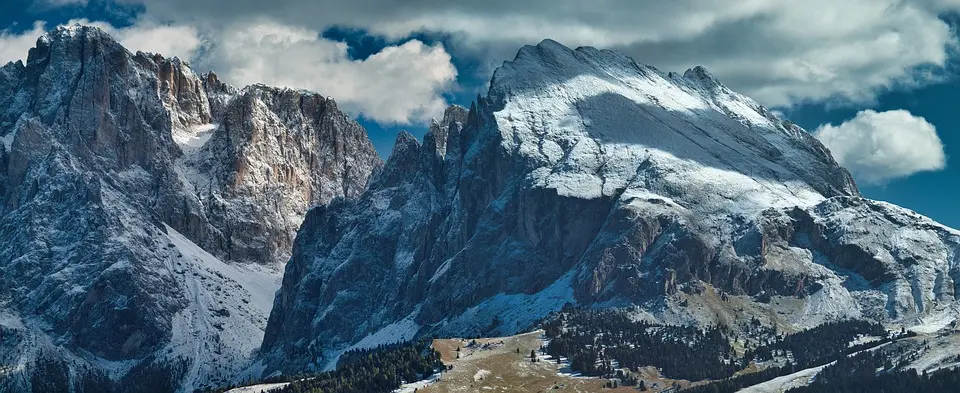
[[401, 84]]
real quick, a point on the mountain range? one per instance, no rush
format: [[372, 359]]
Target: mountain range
[[147, 215]]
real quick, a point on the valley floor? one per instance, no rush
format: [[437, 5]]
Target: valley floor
[[504, 364], [494, 365]]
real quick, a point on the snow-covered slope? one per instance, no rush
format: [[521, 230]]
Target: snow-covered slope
[[211, 339], [145, 212], [585, 119], [585, 178], [223, 323]]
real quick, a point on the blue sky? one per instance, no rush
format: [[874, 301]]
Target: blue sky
[[822, 63], [933, 194]]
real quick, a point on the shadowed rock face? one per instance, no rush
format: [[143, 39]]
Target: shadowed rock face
[[585, 178], [102, 149]]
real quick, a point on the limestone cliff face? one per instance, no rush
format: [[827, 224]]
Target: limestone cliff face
[[145, 210], [585, 178], [278, 152]]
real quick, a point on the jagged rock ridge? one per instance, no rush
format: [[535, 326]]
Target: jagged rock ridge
[[145, 211], [585, 178]]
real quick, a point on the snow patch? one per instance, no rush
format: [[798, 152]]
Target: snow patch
[[415, 386], [516, 312], [194, 137], [786, 382], [262, 388], [397, 332], [7, 140]]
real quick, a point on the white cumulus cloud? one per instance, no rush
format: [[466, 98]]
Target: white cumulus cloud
[[169, 40], [881, 146], [400, 84]]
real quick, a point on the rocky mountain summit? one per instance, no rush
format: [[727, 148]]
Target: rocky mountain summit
[[585, 178], [146, 211]]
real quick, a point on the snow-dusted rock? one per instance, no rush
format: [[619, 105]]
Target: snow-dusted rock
[[145, 212], [585, 178]]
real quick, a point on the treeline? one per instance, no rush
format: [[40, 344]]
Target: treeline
[[821, 342], [810, 348], [380, 369], [859, 374], [594, 340]]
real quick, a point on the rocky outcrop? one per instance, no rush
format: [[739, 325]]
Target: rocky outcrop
[[585, 178], [144, 212]]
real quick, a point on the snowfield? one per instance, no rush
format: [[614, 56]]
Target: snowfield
[[223, 325]]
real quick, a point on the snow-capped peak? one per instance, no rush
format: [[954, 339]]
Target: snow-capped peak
[[75, 31], [586, 118]]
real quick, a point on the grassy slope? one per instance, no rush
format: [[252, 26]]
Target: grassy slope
[[499, 368]]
